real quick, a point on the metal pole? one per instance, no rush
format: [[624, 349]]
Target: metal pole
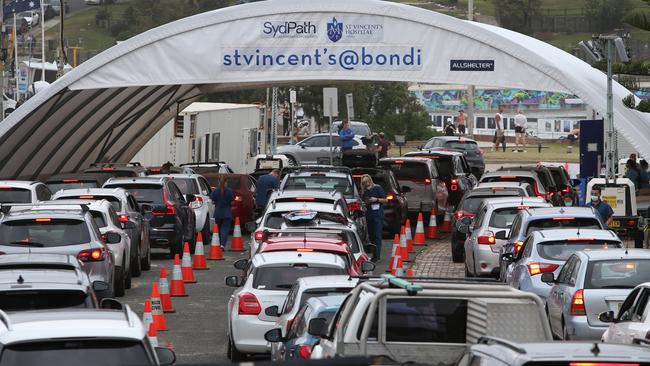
[[609, 158], [2, 77], [43, 40], [469, 121], [61, 61], [16, 59], [329, 128], [274, 121]]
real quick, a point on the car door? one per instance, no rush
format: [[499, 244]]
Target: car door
[[137, 217], [471, 240], [518, 269], [312, 149], [555, 300], [637, 327], [619, 329]]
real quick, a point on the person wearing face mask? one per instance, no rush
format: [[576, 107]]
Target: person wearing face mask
[[374, 196], [604, 210], [568, 200]]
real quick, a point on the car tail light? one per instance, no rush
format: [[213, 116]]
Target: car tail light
[[92, 255], [566, 190], [248, 304], [169, 207], [390, 196], [354, 206], [486, 239], [87, 197], [399, 162], [123, 218], [518, 245], [631, 223], [43, 220], [108, 169], [71, 181], [305, 199], [481, 152], [198, 201], [563, 218], [238, 197], [536, 268], [304, 351], [578, 303], [259, 235], [454, 184], [461, 214]]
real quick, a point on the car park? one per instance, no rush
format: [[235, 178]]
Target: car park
[[396, 209], [315, 149], [546, 251], [171, 219], [131, 218], [72, 337], [590, 283], [117, 170], [243, 186], [212, 167], [488, 232], [53, 228], [629, 321], [266, 281], [469, 147], [59, 182], [20, 191]]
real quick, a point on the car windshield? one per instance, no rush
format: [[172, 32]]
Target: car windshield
[[282, 278], [15, 195], [471, 204], [405, 170], [76, 352], [187, 185], [502, 218], [43, 299], [114, 201], [563, 223], [44, 232], [320, 182], [619, 273], [55, 187], [562, 250], [143, 193]]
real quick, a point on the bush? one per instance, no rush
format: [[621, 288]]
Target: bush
[[118, 28], [644, 106], [629, 101]]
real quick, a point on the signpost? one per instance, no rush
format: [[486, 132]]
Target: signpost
[[330, 109], [349, 100]]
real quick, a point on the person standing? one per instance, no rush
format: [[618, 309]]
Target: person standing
[[265, 183], [521, 122], [461, 120], [499, 133], [286, 119], [384, 146], [604, 210], [222, 197], [374, 196], [346, 136], [450, 130]]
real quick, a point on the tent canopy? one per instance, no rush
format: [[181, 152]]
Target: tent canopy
[[110, 106]]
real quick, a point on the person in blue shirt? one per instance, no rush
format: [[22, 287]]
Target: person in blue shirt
[[374, 196], [222, 197], [604, 210], [346, 136], [266, 182]]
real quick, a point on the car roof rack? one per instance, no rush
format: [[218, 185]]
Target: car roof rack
[[487, 340]]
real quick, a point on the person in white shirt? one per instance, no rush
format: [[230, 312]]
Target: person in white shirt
[[499, 136], [521, 122]]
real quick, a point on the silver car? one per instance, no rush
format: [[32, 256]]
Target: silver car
[[23, 191], [489, 232], [593, 282], [60, 229], [315, 149], [546, 251]]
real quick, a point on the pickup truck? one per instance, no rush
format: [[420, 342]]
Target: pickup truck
[[431, 321]]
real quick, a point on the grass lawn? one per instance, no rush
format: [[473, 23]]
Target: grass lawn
[[554, 152]]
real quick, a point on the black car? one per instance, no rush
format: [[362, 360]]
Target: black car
[[396, 210], [171, 220], [469, 147], [453, 169], [561, 178], [75, 180], [545, 177], [117, 170]]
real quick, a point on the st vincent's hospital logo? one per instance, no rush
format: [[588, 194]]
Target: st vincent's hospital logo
[[334, 30]]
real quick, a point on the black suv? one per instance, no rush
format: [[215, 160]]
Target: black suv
[[545, 177], [75, 180], [171, 220], [116, 170], [467, 146]]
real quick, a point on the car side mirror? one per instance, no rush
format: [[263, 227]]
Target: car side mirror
[[463, 225], [233, 281], [273, 311], [241, 264], [274, 335], [250, 226], [606, 317], [302, 146], [318, 327], [367, 267], [109, 303], [165, 356], [548, 277], [100, 286], [113, 238], [406, 189], [146, 208], [500, 235], [128, 225], [508, 257]]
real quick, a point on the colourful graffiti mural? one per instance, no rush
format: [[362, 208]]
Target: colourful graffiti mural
[[490, 99]]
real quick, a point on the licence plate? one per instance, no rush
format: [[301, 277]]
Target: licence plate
[[615, 223]]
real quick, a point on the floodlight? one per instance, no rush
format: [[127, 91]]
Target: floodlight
[[621, 49], [590, 50]]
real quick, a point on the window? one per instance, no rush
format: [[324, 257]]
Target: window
[[205, 187], [251, 184], [480, 122], [179, 126], [133, 205], [283, 277], [192, 126], [42, 193], [546, 224], [528, 248], [621, 274], [426, 320], [143, 193], [478, 222], [502, 218], [43, 299], [216, 144], [187, 185], [15, 195], [626, 310], [561, 250], [639, 309], [491, 123], [565, 274], [176, 193], [437, 121], [98, 218], [298, 323], [44, 233], [290, 301], [516, 225]]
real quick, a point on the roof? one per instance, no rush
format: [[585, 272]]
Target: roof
[[290, 257], [49, 208], [175, 175], [321, 303], [135, 180], [197, 107], [502, 184], [450, 138], [510, 172], [38, 278], [17, 183], [563, 234], [38, 258], [562, 212], [617, 253], [404, 158], [433, 152], [73, 176]]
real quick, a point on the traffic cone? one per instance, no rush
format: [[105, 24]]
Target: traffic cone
[[152, 335], [432, 228], [237, 244], [409, 272], [178, 286], [398, 266], [165, 297], [404, 250], [156, 309], [446, 225], [419, 231], [199, 255], [147, 318], [186, 265], [393, 252], [216, 254], [409, 237]]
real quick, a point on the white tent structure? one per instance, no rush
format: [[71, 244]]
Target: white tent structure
[[110, 106]]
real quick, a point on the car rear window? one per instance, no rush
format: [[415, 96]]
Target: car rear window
[[15, 195], [502, 218], [207, 169], [113, 173], [462, 145], [44, 232], [114, 201], [43, 299], [320, 182], [445, 166], [510, 178], [282, 278], [500, 192], [75, 352], [563, 223], [562, 250], [409, 170], [55, 187], [619, 273], [98, 217], [187, 185], [559, 177], [143, 193]]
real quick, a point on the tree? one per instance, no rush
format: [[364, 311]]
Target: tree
[[516, 15], [605, 15]]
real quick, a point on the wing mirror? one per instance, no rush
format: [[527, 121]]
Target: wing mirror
[[241, 264], [500, 235], [273, 311], [406, 189], [100, 286], [607, 317], [548, 277], [190, 198], [508, 257], [146, 208], [165, 356], [109, 303], [233, 281], [274, 335], [318, 327], [367, 267], [128, 225], [250, 226], [113, 238]]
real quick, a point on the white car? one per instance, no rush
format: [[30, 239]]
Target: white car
[[9, 105], [521, 188], [23, 191], [31, 17], [631, 321], [266, 281]]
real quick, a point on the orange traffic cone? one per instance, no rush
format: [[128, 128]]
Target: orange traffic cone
[[446, 225], [152, 335], [165, 297], [216, 253], [237, 244], [178, 286], [156, 309], [186, 265], [432, 228], [398, 266], [419, 231], [393, 252], [409, 237], [147, 318], [409, 272], [199, 255], [404, 250]]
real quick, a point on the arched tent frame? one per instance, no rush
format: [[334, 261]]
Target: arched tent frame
[[110, 106]]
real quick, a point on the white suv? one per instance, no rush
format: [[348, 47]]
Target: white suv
[[23, 191]]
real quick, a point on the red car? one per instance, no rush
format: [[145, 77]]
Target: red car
[[324, 245], [243, 185]]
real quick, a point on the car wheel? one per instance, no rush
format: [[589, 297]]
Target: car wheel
[[235, 356], [205, 232], [146, 261], [127, 280], [119, 282], [136, 268]]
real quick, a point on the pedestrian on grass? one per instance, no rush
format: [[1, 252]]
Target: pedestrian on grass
[[461, 120], [384, 146], [374, 196], [499, 133], [521, 122], [222, 197], [346, 136], [604, 210], [450, 130]]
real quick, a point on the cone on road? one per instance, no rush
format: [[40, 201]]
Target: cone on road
[[199, 255], [432, 228], [409, 237], [178, 286], [156, 309], [398, 266], [216, 254], [186, 265], [394, 251], [409, 272], [147, 318], [446, 225], [418, 239], [152, 335], [404, 250], [237, 244], [165, 297]]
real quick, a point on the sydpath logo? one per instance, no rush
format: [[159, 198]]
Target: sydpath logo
[[289, 29]]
